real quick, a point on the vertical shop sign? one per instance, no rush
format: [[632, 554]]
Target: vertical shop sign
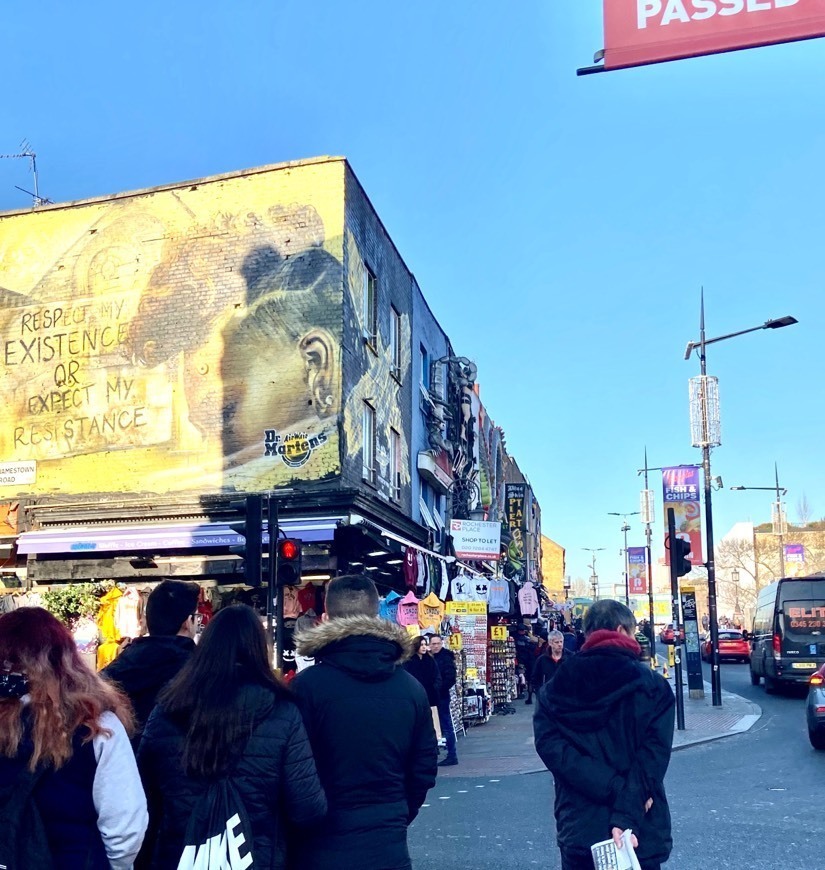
[[637, 567], [516, 494], [680, 487], [693, 656]]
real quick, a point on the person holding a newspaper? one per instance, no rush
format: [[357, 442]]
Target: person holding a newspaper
[[604, 729]]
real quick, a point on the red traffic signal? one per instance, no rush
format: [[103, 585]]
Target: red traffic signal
[[289, 562]]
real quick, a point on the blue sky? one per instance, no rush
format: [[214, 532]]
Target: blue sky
[[561, 228]]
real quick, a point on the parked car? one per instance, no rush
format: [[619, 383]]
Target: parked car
[[667, 634], [733, 646], [815, 709]]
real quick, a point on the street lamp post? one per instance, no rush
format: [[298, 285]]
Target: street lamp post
[[707, 441], [734, 576], [625, 528], [594, 577], [779, 523]]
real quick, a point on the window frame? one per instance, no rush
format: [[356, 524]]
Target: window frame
[[369, 308], [368, 442], [395, 343], [395, 465]]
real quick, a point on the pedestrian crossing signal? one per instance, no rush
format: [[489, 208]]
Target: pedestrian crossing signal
[[289, 562], [680, 552]]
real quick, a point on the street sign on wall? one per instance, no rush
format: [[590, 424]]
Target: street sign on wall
[[638, 32]]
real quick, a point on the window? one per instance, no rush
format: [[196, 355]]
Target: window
[[395, 465], [395, 343], [425, 368], [370, 303], [368, 444]]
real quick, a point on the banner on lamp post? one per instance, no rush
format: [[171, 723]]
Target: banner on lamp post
[[637, 570], [680, 488], [794, 553], [638, 32]]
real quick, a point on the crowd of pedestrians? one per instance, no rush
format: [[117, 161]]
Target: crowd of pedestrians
[[181, 755]]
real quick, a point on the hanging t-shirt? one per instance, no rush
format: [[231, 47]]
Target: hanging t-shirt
[[410, 568], [481, 586], [499, 596], [463, 588], [388, 607], [423, 574], [528, 600], [444, 586], [430, 611], [292, 610], [127, 613], [306, 598], [408, 610]]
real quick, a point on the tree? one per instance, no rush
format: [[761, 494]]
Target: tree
[[804, 511]]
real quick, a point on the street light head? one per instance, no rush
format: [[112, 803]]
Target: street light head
[[779, 322], [689, 349], [739, 487]]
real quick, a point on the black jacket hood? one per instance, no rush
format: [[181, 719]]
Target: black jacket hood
[[367, 648], [587, 686], [150, 661]]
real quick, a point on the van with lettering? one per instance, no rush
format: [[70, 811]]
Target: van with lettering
[[788, 638]]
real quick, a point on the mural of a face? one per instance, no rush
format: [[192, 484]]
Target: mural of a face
[[280, 363]]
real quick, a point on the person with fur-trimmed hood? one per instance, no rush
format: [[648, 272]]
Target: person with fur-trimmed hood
[[604, 728], [371, 730]]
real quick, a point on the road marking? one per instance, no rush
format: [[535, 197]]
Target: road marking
[[493, 780], [444, 798], [479, 786], [462, 791]]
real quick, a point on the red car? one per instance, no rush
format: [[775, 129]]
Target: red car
[[732, 646], [667, 634]]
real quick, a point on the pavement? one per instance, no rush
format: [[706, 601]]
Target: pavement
[[504, 745]]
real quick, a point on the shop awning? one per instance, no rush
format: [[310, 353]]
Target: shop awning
[[356, 520], [168, 536], [103, 539]]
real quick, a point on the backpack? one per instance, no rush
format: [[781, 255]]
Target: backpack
[[23, 841], [218, 835]]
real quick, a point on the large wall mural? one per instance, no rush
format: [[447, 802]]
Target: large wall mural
[[376, 385], [177, 340]]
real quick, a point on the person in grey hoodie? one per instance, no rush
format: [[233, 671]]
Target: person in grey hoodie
[[60, 722]]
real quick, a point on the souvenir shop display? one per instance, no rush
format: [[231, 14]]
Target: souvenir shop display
[[468, 620], [502, 669]]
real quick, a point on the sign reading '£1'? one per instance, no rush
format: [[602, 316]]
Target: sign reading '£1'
[[640, 32]]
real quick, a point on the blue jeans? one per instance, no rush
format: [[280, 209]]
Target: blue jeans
[[447, 729]]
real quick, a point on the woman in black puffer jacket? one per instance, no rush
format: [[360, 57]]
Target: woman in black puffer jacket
[[226, 713]]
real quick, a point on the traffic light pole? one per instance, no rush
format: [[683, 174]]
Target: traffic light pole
[[674, 595], [274, 601]]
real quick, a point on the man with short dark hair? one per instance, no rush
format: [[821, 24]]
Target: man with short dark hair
[[150, 662], [445, 662], [371, 731], [604, 728]]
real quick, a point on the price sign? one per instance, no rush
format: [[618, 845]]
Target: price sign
[[414, 630], [455, 642], [498, 632], [472, 673]]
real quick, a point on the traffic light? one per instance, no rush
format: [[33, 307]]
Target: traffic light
[[289, 562], [680, 552], [251, 527]]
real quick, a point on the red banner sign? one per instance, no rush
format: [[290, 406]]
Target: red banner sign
[[651, 31]]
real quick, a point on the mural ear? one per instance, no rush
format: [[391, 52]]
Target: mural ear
[[318, 350]]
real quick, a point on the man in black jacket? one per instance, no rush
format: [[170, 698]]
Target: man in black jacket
[[604, 728], [371, 730], [150, 662], [445, 660]]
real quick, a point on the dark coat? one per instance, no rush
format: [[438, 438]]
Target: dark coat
[[426, 671], [545, 668], [65, 801], [144, 668], [275, 777], [604, 728], [445, 661], [372, 732]]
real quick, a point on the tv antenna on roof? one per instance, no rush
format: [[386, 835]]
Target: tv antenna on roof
[[27, 153]]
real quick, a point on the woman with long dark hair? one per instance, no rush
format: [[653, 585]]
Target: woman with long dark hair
[[64, 739], [423, 667], [227, 716]]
